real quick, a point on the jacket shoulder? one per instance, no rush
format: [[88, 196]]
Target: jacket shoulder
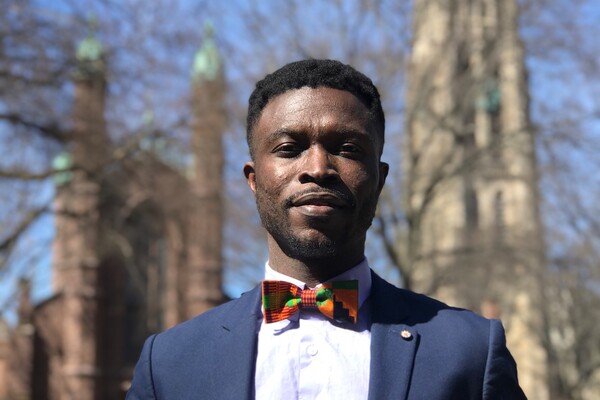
[[420, 310], [243, 307], [201, 355], [465, 352]]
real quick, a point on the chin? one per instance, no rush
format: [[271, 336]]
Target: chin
[[314, 248]]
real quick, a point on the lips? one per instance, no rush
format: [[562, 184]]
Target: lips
[[318, 206], [319, 200]]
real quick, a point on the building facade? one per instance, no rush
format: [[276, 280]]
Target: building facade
[[472, 201], [137, 247]]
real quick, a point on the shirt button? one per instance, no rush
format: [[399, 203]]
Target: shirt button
[[312, 350]]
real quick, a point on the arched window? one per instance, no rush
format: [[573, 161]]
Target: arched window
[[145, 284], [471, 208], [499, 215]]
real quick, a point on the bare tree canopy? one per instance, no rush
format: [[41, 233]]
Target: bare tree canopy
[[149, 48]]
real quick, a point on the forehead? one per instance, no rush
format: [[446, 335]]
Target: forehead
[[314, 108]]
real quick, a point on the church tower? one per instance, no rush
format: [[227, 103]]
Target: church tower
[[133, 254], [206, 226], [472, 201], [75, 252]]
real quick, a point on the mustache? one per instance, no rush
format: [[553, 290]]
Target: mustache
[[344, 196]]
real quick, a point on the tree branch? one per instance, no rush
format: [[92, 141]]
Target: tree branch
[[49, 131], [9, 242]]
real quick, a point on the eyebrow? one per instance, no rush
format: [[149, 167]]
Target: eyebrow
[[283, 132], [273, 136]]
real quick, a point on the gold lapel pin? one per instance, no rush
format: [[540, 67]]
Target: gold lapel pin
[[406, 334]]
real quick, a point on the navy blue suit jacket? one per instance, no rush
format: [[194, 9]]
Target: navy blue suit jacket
[[450, 354]]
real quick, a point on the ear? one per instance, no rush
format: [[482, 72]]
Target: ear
[[383, 172], [250, 174]]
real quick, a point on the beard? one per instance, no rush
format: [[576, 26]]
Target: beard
[[305, 250], [275, 219]]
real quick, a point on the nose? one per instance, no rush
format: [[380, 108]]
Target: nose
[[318, 166]]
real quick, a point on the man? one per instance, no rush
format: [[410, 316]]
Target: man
[[315, 131]]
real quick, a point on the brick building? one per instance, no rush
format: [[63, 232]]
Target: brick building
[[137, 247]]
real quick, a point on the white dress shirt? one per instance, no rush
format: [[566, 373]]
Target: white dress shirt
[[309, 356]]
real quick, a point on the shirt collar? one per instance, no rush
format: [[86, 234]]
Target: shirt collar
[[360, 272]]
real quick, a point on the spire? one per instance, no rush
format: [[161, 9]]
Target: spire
[[207, 62], [90, 54]]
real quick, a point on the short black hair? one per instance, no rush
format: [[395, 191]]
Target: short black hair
[[315, 73]]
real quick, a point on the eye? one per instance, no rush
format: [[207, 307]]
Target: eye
[[350, 148], [287, 149]]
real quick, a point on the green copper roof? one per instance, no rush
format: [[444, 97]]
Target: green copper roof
[[207, 62], [90, 49], [62, 164], [90, 53]]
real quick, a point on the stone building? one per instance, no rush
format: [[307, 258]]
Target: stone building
[[475, 237], [137, 247]]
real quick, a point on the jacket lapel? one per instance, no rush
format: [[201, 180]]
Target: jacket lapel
[[393, 344], [233, 371]]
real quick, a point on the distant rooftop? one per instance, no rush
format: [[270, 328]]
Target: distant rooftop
[[90, 54], [62, 165], [207, 62]]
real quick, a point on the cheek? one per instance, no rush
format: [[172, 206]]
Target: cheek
[[358, 179], [363, 184], [271, 180]]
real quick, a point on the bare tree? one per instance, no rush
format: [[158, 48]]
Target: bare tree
[[150, 49]]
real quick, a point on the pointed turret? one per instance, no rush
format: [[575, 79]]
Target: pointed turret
[[209, 122], [207, 62], [90, 56], [76, 249]]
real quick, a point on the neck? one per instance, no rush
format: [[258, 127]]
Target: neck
[[315, 270]]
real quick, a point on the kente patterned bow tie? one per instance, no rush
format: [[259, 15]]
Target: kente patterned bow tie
[[336, 300]]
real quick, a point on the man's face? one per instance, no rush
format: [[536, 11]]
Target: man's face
[[316, 173]]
